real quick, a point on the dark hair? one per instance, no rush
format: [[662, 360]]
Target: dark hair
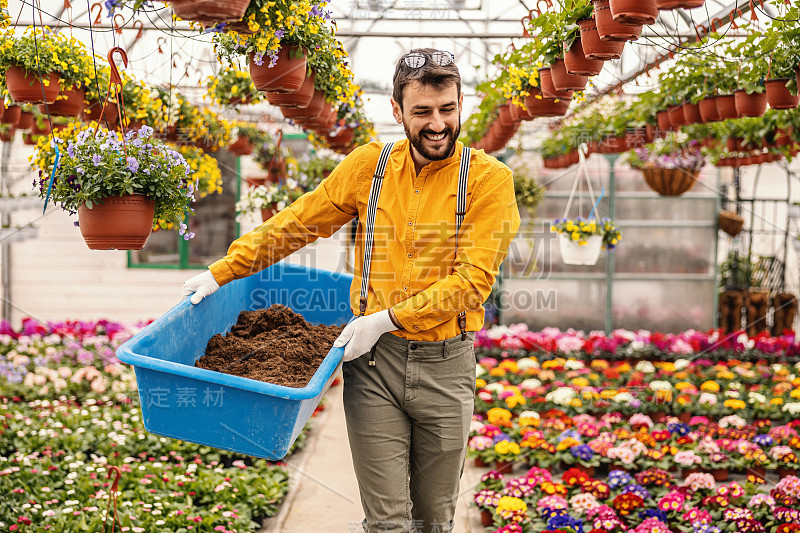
[[430, 73]]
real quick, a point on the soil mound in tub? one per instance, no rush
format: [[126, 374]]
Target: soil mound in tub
[[274, 345]]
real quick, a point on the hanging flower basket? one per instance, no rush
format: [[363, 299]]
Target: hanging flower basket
[[594, 47], [300, 99], [95, 112], [117, 223], [537, 106], [563, 80], [676, 116], [11, 115], [708, 109], [634, 11], [675, 4], [286, 76], [778, 96], [8, 136], [69, 103], [670, 181], [726, 107], [30, 140], [750, 105], [242, 146], [27, 88], [576, 62], [25, 120], [730, 222], [210, 11], [44, 129], [547, 86], [608, 29], [573, 253], [691, 114]]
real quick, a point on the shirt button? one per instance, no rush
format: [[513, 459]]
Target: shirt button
[[417, 191], [405, 288], [409, 223], [416, 327], [409, 255]]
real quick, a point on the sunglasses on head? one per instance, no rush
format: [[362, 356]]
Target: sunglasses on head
[[417, 59]]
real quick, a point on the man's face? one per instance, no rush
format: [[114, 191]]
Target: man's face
[[431, 119]]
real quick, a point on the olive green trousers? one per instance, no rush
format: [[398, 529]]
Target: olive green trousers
[[408, 420]]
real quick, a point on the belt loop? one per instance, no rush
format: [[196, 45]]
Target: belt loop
[[444, 349]]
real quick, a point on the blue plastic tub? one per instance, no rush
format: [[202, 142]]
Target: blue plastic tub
[[233, 413]]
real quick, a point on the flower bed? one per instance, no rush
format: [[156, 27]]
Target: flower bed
[[604, 445], [70, 414]]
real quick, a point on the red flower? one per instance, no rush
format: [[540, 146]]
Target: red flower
[[24, 520], [573, 477]]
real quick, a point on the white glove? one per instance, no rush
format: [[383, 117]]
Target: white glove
[[200, 286], [360, 335]]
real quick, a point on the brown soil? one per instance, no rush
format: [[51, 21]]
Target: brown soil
[[284, 349]]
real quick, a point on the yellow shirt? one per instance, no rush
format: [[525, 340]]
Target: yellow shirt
[[415, 268]]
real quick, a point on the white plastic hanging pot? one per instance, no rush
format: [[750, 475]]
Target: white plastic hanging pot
[[573, 253]]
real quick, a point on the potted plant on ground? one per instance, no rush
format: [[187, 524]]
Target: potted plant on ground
[[269, 199], [120, 187]]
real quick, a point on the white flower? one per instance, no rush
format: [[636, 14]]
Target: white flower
[[573, 364], [495, 388], [526, 362], [479, 371], [756, 397], [529, 414], [530, 383], [623, 397], [660, 385], [791, 408], [560, 396], [645, 366]]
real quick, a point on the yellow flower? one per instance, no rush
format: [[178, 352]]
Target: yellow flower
[[710, 386], [776, 401], [480, 383], [734, 404], [498, 416]]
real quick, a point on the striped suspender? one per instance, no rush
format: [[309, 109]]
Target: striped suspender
[[461, 210], [372, 207]]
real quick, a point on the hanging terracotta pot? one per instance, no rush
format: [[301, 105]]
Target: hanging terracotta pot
[[670, 181], [573, 253], [29, 139], [726, 106], [708, 109], [11, 115], [24, 121], [311, 111], [750, 105], [608, 29], [504, 116], [691, 113], [778, 96], [43, 130], [734, 144], [614, 145], [342, 138], [649, 133], [210, 11], [663, 120], [269, 212], [242, 146], [563, 80], [69, 103], [95, 112], [117, 222], [538, 106], [594, 47], [27, 88], [675, 4], [9, 135], [676, 116], [576, 62], [300, 99], [288, 74], [634, 11], [710, 142], [548, 87]]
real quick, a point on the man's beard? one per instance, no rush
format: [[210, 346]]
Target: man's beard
[[417, 141]]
